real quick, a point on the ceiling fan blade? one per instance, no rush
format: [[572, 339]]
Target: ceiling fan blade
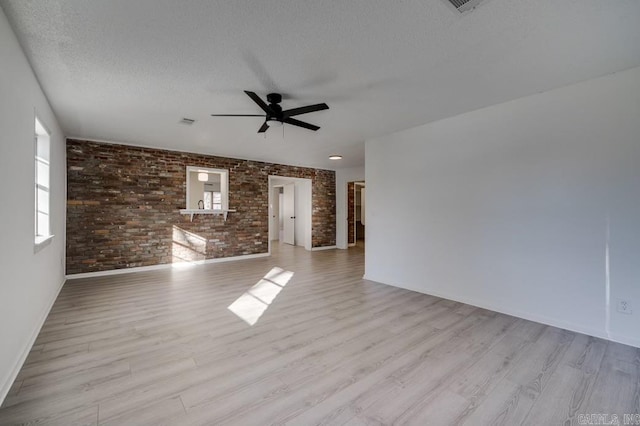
[[299, 123], [259, 101], [264, 128], [237, 115], [304, 110]]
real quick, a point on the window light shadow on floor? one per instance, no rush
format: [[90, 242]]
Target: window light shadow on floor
[[255, 301], [188, 249]]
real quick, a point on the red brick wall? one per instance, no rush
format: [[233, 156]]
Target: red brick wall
[[123, 202]]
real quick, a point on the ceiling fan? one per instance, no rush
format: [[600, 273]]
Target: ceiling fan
[[274, 115]]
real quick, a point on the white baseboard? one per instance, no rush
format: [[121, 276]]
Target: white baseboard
[[164, 266], [323, 248], [625, 340], [524, 315], [6, 386]]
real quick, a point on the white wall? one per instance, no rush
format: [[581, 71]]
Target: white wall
[[303, 212], [509, 207], [29, 281], [344, 176]]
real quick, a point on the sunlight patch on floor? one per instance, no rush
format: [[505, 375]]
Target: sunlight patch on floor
[[188, 248], [255, 301]]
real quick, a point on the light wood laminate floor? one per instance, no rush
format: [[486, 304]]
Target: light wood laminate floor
[[326, 347]]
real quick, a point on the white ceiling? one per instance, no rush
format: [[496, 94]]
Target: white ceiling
[[128, 71]]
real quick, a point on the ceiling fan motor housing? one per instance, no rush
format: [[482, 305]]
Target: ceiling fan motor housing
[[274, 99], [277, 111]]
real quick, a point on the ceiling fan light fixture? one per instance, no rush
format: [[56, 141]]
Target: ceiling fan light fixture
[[273, 122], [335, 157]]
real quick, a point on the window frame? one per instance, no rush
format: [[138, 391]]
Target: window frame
[[42, 157], [224, 185]]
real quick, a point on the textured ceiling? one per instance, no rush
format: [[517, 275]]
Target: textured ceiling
[[128, 71]]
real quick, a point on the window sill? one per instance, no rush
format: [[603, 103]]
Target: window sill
[[41, 242], [192, 212]]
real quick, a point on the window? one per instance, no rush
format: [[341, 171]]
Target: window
[[42, 184], [212, 200], [207, 188]]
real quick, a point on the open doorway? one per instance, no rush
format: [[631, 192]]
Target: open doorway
[[290, 211], [355, 213]]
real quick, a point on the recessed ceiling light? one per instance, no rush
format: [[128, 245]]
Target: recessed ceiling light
[[335, 157]]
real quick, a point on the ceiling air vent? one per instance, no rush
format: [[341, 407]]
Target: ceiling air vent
[[464, 5], [187, 121]]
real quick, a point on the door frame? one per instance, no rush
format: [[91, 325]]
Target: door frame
[[308, 187], [355, 183]]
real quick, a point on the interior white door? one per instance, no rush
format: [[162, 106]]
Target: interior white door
[[289, 214], [274, 225]]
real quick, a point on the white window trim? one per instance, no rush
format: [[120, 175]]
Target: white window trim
[[41, 241], [224, 184]]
